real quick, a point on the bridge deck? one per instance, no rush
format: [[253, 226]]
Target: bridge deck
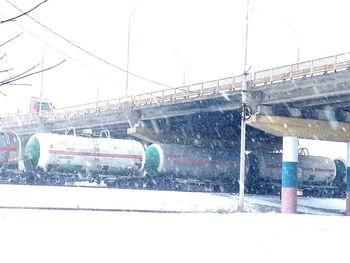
[[211, 110], [274, 75]]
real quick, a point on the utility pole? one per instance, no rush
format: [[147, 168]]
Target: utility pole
[[244, 91]]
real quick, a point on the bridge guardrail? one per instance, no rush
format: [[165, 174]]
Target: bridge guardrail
[[258, 78]]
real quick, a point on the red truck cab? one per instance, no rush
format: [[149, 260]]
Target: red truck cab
[[39, 105]]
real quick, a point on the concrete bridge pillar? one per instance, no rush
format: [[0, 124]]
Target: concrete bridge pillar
[[289, 175], [348, 181]]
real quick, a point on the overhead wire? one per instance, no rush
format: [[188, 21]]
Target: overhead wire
[[63, 53], [23, 13], [88, 52]]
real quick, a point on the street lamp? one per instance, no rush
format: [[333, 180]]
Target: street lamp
[[128, 48], [296, 39], [42, 76], [183, 68]]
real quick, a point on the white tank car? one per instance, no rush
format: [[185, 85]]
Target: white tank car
[[10, 149], [189, 161], [76, 153], [311, 169]]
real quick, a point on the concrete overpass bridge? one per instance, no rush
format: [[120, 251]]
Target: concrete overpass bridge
[[310, 99]]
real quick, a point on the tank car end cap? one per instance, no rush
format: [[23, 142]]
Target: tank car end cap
[[32, 153], [153, 159]]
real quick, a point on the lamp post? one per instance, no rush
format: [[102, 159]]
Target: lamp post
[[128, 48], [42, 70], [296, 39], [244, 91], [42, 76], [97, 96], [183, 68]]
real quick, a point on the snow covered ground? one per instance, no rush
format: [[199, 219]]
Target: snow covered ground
[[214, 232], [146, 200]]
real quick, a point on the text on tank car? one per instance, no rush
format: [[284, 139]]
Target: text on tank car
[[97, 154], [211, 162], [304, 168]]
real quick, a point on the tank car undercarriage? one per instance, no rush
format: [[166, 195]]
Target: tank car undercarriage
[[170, 183], [159, 182]]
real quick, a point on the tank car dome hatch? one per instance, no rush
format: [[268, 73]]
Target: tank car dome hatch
[[153, 157], [32, 153]]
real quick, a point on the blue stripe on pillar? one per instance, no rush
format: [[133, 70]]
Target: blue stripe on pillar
[[289, 174], [348, 179]]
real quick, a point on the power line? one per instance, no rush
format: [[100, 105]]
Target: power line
[[23, 13], [88, 52], [63, 53]]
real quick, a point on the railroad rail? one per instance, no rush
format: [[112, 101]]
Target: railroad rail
[[284, 73]]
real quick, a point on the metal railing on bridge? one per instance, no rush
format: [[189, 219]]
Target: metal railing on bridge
[[258, 78]]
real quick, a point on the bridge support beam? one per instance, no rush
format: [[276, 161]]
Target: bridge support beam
[[302, 128], [289, 175], [348, 182]]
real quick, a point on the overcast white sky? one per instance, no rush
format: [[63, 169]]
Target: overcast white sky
[[203, 39]]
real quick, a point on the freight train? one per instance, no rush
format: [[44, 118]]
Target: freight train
[[316, 175], [10, 150], [55, 158], [46, 151]]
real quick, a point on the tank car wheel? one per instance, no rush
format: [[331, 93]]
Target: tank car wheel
[[111, 184]]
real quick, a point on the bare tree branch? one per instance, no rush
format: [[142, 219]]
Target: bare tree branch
[[3, 56], [29, 72], [90, 53], [14, 84], [6, 70], [23, 13], [10, 40], [18, 75], [23, 75]]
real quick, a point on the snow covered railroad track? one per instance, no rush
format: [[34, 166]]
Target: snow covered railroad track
[[111, 199], [15, 197], [101, 209]]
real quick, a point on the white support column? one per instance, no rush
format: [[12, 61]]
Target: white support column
[[348, 181], [289, 175]]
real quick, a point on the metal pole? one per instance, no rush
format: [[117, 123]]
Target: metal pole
[[243, 124], [42, 77], [298, 55], [42, 70], [128, 49], [347, 211], [183, 68], [296, 39], [127, 62], [97, 96]]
